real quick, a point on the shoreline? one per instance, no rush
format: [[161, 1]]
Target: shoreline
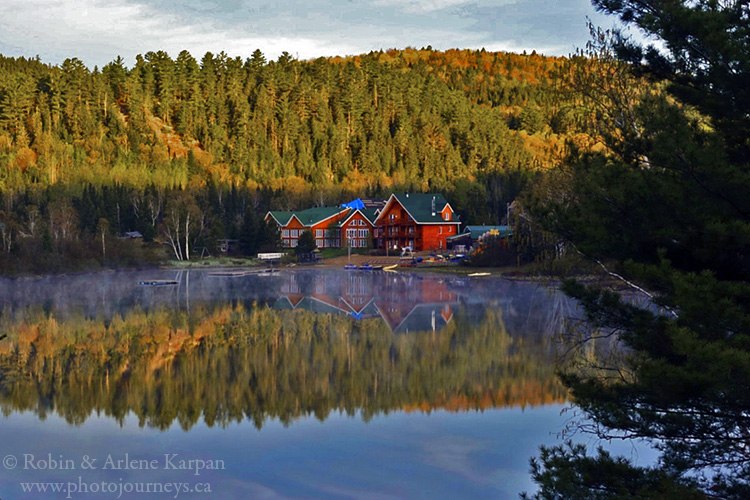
[[513, 273]]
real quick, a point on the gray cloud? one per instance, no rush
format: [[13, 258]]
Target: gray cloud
[[97, 31]]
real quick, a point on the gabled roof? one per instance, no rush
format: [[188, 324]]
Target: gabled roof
[[348, 217], [420, 207], [282, 217], [368, 213], [308, 217], [316, 215]]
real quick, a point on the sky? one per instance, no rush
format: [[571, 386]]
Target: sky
[[97, 31]]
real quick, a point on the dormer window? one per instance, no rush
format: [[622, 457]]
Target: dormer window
[[447, 216]]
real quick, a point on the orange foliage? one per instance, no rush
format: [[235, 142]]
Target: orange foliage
[[25, 158]]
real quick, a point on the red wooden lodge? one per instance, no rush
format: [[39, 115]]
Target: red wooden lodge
[[419, 221]]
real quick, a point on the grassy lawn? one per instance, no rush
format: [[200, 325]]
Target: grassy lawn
[[328, 253]]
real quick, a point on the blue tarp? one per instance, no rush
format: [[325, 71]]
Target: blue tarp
[[355, 204]]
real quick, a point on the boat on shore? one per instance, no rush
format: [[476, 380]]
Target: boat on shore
[[369, 267]]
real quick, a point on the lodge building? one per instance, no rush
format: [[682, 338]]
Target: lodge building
[[419, 221]]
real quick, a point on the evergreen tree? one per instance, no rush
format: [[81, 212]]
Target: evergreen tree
[[305, 243], [251, 235], [666, 204]]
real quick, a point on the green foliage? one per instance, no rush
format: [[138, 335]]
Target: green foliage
[[569, 472], [421, 120], [305, 243], [666, 204], [116, 141]]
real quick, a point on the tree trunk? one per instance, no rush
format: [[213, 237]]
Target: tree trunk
[[187, 235]]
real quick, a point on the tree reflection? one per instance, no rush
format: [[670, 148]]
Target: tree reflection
[[228, 362]]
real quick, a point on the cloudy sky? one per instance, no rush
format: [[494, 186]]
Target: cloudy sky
[[97, 31]]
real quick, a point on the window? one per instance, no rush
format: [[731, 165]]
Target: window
[[363, 233], [285, 233], [319, 243], [294, 243], [392, 216], [440, 230], [295, 233], [447, 216], [319, 233], [363, 243], [351, 233]]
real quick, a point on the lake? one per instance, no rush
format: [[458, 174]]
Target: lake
[[306, 384]]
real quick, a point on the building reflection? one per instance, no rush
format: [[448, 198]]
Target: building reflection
[[406, 303]]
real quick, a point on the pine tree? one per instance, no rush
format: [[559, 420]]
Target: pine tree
[[666, 204]]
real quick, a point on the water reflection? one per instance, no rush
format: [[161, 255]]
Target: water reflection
[[407, 303], [225, 349]]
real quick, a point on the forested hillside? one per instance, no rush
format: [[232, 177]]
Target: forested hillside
[[416, 118], [132, 148]]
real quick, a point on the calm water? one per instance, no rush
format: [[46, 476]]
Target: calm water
[[301, 385]]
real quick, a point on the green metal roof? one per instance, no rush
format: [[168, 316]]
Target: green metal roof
[[281, 216], [313, 216], [308, 217], [420, 206], [370, 214]]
